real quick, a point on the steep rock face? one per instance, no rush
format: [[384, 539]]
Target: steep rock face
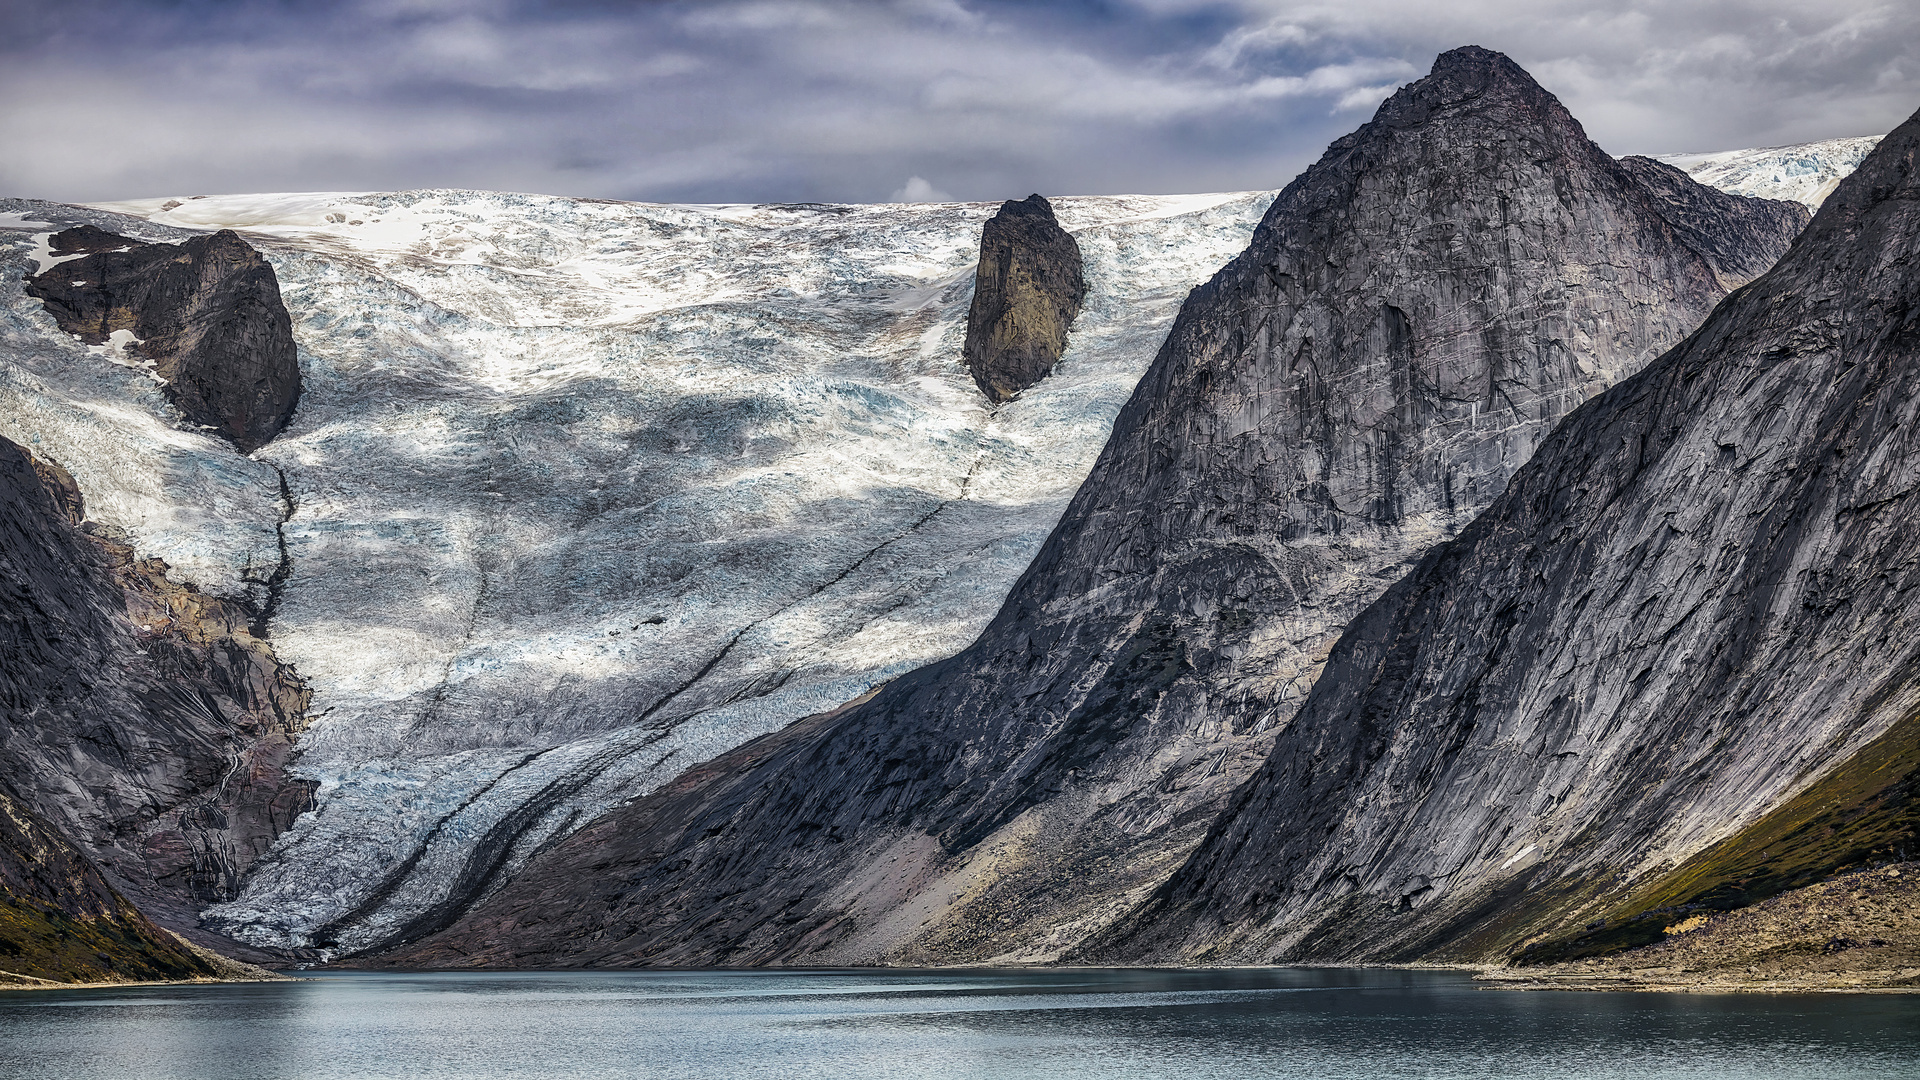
[[1738, 235], [1695, 601], [142, 718], [60, 921], [1026, 295], [205, 314], [1414, 314]]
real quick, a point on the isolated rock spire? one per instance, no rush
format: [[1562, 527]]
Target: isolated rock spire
[[1026, 295]]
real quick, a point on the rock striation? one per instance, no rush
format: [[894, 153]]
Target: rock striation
[[205, 315], [1740, 236], [141, 719], [1026, 294], [1412, 317], [61, 922], [1693, 605]]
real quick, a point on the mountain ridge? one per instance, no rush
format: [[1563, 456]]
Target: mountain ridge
[[1746, 479], [1313, 421]]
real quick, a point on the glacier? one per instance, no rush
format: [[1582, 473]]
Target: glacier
[[582, 493], [1804, 172]]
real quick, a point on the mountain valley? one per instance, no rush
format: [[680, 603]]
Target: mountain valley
[[1483, 550]]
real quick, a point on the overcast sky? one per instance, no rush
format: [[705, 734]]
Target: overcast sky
[[866, 100]]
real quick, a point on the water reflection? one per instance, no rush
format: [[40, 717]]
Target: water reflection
[[1021, 1025]]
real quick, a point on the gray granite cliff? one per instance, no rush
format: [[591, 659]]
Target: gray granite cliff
[[1695, 603], [1414, 315]]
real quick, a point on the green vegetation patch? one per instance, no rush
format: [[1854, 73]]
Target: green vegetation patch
[[1862, 813], [40, 942]]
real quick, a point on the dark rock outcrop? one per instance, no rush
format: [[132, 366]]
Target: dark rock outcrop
[[1693, 605], [61, 922], [1026, 295], [1738, 235], [1411, 319], [143, 719], [206, 313]]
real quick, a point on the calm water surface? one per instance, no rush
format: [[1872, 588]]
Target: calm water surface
[[1026, 1025]]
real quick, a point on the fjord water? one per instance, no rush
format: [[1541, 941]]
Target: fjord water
[[1027, 1024]]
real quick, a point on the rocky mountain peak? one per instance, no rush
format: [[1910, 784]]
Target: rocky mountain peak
[[1476, 69], [1413, 316], [1034, 205], [1472, 82]]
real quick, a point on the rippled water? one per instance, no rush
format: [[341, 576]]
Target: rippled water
[[1029, 1025]]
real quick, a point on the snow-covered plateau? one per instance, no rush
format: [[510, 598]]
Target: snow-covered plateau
[[1804, 172], [581, 493]]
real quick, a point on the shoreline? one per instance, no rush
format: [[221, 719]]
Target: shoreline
[[29, 982], [1486, 977], [1601, 984]]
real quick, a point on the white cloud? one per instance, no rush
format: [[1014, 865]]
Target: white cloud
[[837, 99], [917, 189]]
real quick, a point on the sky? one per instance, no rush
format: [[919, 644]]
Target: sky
[[870, 100]]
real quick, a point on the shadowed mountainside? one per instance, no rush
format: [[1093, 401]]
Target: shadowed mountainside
[[143, 720], [1413, 316], [1694, 604]]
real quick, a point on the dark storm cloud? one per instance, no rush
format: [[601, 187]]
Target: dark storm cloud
[[860, 101]]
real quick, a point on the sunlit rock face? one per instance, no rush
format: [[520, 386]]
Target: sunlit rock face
[[1805, 172], [580, 493], [1692, 605], [1028, 289], [1415, 314]]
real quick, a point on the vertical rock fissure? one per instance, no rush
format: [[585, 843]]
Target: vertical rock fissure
[[276, 582]]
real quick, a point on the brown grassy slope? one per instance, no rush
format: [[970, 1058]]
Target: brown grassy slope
[[1859, 931], [1863, 813]]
